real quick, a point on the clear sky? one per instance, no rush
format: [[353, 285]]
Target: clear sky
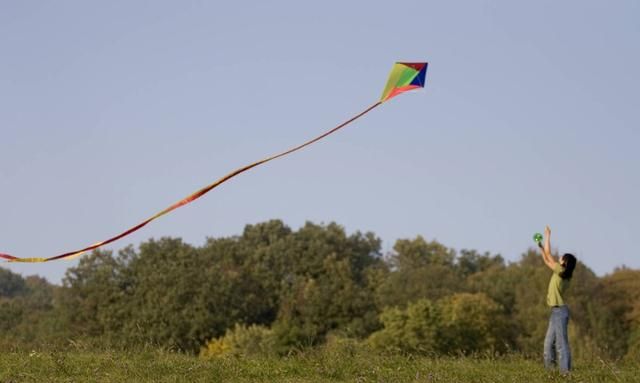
[[110, 111]]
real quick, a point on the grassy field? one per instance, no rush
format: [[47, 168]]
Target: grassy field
[[314, 366]]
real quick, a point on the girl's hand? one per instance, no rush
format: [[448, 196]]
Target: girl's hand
[[546, 249]]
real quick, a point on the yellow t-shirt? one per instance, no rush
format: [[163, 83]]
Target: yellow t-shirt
[[557, 287]]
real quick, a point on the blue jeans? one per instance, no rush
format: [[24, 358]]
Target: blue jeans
[[556, 343]]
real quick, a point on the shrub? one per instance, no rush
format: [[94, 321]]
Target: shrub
[[242, 340], [413, 330], [460, 323]]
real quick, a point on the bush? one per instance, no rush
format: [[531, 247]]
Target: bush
[[415, 329], [633, 352], [472, 323], [242, 340], [460, 323], [343, 347]]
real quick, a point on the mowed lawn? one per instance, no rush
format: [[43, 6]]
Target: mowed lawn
[[314, 366]]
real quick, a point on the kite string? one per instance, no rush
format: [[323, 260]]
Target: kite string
[[192, 197]]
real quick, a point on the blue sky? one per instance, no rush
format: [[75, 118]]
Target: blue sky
[[111, 111]]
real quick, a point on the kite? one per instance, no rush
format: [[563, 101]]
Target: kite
[[403, 77]]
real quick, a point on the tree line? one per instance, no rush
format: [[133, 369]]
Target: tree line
[[273, 290]]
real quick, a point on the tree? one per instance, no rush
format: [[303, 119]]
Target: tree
[[11, 284], [181, 296], [617, 300], [92, 299], [472, 323], [416, 329], [461, 322], [327, 286], [470, 262], [418, 270], [27, 316]]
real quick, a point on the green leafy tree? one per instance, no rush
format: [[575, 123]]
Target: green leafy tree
[[461, 322], [470, 262], [318, 283], [472, 323], [92, 301], [27, 316], [327, 286], [416, 329], [617, 301], [530, 311], [182, 296], [11, 284], [418, 269]]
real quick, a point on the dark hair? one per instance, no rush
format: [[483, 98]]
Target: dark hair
[[569, 265]]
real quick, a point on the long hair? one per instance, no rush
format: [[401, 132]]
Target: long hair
[[569, 265]]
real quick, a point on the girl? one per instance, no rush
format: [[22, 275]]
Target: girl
[[556, 343]]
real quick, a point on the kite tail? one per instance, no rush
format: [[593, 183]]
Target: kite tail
[[189, 199]]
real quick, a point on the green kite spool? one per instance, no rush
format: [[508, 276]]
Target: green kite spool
[[537, 237]]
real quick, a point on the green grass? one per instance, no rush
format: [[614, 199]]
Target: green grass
[[312, 366]]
